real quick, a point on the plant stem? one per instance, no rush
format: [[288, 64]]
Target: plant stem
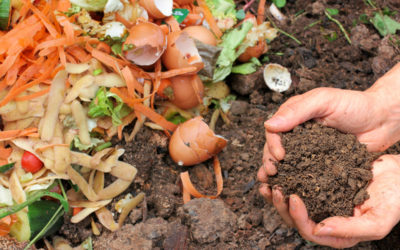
[[340, 26], [284, 32]]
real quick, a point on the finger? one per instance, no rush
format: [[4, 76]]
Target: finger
[[269, 161], [262, 175], [298, 109], [275, 145], [352, 227], [265, 191], [299, 215], [281, 206]]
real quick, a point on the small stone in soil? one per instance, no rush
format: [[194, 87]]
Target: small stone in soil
[[209, 220], [328, 169]]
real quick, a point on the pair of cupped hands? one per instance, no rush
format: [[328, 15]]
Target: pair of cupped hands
[[374, 117]]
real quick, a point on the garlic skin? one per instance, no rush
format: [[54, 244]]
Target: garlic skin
[[194, 142]]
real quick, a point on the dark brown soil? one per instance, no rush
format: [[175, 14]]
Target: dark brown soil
[[328, 169]]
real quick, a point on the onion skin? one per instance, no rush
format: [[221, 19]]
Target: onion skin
[[173, 58], [194, 142], [184, 95], [255, 51], [202, 34]]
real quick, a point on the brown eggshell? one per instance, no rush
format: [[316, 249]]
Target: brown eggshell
[[194, 142], [180, 49], [184, 93], [255, 51], [157, 8], [202, 34], [149, 43]]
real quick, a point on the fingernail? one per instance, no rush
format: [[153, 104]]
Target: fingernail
[[324, 231], [293, 203], [274, 122], [275, 196]]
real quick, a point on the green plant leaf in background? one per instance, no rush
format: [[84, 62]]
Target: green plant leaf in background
[[332, 12], [280, 3], [384, 24]]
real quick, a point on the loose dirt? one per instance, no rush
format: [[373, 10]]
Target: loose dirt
[[328, 169]]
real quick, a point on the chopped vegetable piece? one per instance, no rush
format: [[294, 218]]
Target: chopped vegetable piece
[[6, 224], [103, 146], [231, 41], [103, 105], [224, 11], [76, 210], [30, 163], [6, 167], [97, 72], [39, 214], [90, 5], [247, 68]]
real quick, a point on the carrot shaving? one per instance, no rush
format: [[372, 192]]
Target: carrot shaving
[[63, 5], [119, 132], [41, 149], [155, 117], [108, 60], [63, 58], [189, 189], [5, 153], [46, 22], [6, 223], [33, 96], [210, 18], [261, 12], [131, 82], [122, 20], [156, 82], [79, 53], [12, 134], [103, 47], [125, 97], [174, 72]]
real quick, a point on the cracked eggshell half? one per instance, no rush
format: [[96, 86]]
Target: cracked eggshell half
[[181, 52], [158, 8], [188, 91], [194, 142], [145, 44], [202, 34], [277, 77]]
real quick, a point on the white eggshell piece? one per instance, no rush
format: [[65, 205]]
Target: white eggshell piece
[[277, 77]]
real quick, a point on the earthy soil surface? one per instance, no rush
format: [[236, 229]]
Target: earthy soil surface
[[240, 218], [328, 169]]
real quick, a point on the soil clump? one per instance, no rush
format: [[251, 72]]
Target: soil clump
[[328, 169]]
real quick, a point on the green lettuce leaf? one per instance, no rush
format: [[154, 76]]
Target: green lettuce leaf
[[247, 68], [83, 147], [108, 104], [232, 48], [222, 8]]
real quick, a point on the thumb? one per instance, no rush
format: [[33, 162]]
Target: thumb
[[301, 108]]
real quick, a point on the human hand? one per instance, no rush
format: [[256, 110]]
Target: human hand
[[373, 116], [372, 220]]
